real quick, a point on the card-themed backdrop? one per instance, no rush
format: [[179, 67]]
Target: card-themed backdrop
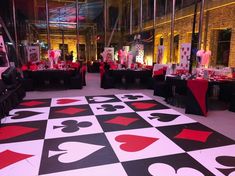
[[33, 53], [185, 50]]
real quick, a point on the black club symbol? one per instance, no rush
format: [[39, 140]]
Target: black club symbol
[[111, 108], [70, 126], [132, 97]]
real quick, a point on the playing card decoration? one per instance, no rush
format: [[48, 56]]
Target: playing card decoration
[[70, 126], [185, 51]]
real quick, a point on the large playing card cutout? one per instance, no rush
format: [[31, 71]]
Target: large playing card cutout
[[102, 99], [125, 121], [26, 115], [171, 165], [65, 127], [15, 132], [115, 169], [195, 136], [219, 160], [9, 157], [165, 117], [70, 111], [34, 103], [146, 105], [68, 101], [141, 143], [110, 108], [132, 97], [134, 143], [70, 153], [20, 158]]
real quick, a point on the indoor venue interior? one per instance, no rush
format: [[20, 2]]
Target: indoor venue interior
[[117, 87]]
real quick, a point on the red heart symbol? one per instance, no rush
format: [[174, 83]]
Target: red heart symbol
[[9, 132], [66, 101], [140, 105], [134, 143]]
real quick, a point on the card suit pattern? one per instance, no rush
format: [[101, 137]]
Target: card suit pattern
[[167, 170], [66, 101], [9, 132], [69, 152], [9, 157], [134, 143], [120, 120], [141, 105], [194, 135], [32, 103], [71, 111], [24, 114], [133, 131]]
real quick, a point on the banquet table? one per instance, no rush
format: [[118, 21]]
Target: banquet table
[[196, 92], [127, 77], [50, 77]]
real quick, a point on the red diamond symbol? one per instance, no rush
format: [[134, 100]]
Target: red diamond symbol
[[143, 105], [120, 120], [66, 101], [8, 157], [71, 111], [194, 135], [9, 132], [32, 103]]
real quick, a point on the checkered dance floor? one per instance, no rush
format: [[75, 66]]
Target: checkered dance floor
[[113, 135]]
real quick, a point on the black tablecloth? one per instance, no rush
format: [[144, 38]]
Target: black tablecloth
[[51, 77], [128, 77]]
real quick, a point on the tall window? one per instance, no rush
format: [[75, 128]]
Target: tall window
[[223, 49], [161, 40], [176, 48]]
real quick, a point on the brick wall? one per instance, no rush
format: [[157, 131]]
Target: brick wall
[[218, 15]]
